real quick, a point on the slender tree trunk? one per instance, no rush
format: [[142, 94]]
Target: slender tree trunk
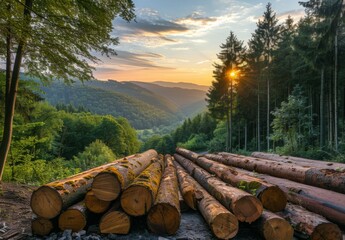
[[227, 131], [258, 121], [231, 104], [245, 135], [268, 114], [336, 91], [331, 115], [321, 108]]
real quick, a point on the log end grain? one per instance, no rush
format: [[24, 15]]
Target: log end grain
[[273, 199], [136, 200], [247, 209], [277, 228], [41, 226], [94, 204], [72, 219], [326, 231], [164, 219], [224, 226], [46, 202], [106, 186], [116, 222]]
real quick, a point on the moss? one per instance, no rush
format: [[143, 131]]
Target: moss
[[57, 185]]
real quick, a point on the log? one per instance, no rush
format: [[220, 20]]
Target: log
[[329, 204], [50, 199], [223, 224], [183, 205], [115, 221], [108, 184], [74, 218], [271, 196], [246, 207], [299, 161], [323, 178], [42, 226], [95, 205], [311, 225], [138, 198], [273, 227], [165, 217]]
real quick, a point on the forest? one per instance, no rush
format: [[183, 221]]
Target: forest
[[282, 91]]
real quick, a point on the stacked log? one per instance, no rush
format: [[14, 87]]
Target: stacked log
[[95, 205], [42, 226], [115, 221], [74, 218], [243, 205], [319, 177], [164, 217]]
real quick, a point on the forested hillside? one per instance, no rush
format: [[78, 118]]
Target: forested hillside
[[144, 107]]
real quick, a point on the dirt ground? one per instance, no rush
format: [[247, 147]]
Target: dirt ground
[[16, 215]]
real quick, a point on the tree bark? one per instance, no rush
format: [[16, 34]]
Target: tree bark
[[323, 178], [50, 199], [243, 205], [311, 225], [273, 227], [74, 218], [336, 90], [108, 184], [165, 217], [327, 203], [271, 196], [223, 224], [322, 107], [297, 160], [138, 198], [183, 205], [115, 221], [95, 205], [11, 93]]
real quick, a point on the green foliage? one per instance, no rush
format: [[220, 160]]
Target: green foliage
[[197, 142], [292, 123], [95, 154]]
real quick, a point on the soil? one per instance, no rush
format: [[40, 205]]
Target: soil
[[16, 215]]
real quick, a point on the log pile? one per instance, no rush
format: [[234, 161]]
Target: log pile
[[277, 197]]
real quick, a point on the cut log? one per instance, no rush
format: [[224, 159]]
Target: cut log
[[271, 196], [222, 223], [138, 198], [108, 184], [50, 199], [115, 221], [94, 204], [42, 226], [165, 217], [187, 154], [299, 161], [246, 207], [311, 225], [327, 203], [74, 218], [183, 205], [273, 227], [323, 178]]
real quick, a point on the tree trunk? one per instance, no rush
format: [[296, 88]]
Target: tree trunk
[[115, 221], [336, 90], [50, 199], [139, 197], [258, 120], [273, 227], [268, 114], [311, 225], [327, 203], [245, 136], [227, 147], [165, 217], [243, 205], [95, 205], [271, 196], [11, 94], [230, 119], [321, 107], [108, 184], [183, 205], [42, 226], [74, 218], [298, 161], [319, 177], [222, 223]]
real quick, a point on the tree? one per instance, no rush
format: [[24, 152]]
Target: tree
[[220, 96], [53, 40]]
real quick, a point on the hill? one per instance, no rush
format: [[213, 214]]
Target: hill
[[145, 105], [182, 85]]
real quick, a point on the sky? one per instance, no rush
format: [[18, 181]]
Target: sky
[[177, 41]]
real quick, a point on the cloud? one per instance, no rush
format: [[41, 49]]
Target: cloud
[[196, 19], [202, 62], [180, 48]]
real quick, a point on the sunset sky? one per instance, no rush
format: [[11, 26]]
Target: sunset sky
[[177, 41]]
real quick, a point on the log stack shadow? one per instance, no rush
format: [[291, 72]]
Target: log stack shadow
[[277, 198]]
